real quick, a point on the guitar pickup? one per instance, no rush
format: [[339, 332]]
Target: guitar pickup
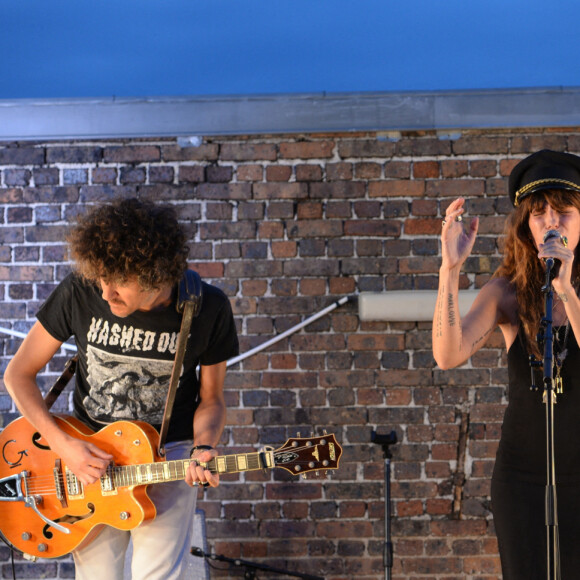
[[108, 481], [73, 486]]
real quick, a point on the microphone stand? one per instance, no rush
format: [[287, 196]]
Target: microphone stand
[[551, 506], [384, 441], [250, 568]]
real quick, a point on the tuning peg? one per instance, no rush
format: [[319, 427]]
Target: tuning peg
[[324, 432], [298, 434], [304, 476], [317, 473]]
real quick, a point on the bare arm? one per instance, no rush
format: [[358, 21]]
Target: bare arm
[[209, 421], [454, 339], [87, 461]]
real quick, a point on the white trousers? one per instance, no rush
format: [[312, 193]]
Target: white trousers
[[161, 547]]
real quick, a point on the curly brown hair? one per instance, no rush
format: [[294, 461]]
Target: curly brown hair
[[129, 239], [520, 264]]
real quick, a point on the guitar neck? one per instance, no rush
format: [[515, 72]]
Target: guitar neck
[[175, 470]]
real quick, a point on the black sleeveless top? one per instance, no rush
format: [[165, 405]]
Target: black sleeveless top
[[522, 448]]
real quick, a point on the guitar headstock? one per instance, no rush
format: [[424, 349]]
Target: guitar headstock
[[300, 455]]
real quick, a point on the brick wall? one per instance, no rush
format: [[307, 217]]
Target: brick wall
[[286, 225]]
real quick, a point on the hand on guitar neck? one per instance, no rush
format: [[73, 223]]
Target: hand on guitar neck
[[197, 473]]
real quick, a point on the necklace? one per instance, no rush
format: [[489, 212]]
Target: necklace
[[560, 357]]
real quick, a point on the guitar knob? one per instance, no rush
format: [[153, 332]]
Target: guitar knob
[[26, 536], [124, 515], [42, 547]]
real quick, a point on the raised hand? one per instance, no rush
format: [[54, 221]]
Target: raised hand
[[456, 242]]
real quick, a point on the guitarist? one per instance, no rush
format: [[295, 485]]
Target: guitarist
[[119, 304]]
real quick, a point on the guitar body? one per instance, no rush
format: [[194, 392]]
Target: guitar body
[[46, 512], [59, 497]]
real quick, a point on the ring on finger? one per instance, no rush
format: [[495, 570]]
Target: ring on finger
[[458, 219], [444, 222]]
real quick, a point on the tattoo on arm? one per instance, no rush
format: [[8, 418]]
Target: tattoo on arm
[[481, 339], [451, 308], [439, 319]]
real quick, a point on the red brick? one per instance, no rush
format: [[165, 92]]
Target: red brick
[[396, 188], [278, 173], [453, 168], [131, 154], [338, 171], [247, 151], [250, 172], [308, 173], [307, 150], [425, 169], [367, 170], [280, 190], [310, 210]]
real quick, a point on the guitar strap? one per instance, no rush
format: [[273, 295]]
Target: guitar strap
[[67, 374], [189, 301]]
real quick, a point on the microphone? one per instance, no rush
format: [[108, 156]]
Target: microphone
[[553, 264]]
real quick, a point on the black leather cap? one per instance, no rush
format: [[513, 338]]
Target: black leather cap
[[544, 170]]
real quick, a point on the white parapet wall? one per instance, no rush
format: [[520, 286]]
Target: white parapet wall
[[406, 305]]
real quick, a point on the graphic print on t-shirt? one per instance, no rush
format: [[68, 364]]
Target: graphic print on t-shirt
[[125, 387]]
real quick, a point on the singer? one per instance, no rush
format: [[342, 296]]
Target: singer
[[542, 231]]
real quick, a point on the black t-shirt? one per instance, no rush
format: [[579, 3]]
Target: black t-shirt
[[125, 364]]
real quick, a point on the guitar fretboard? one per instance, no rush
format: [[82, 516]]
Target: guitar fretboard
[[163, 471]]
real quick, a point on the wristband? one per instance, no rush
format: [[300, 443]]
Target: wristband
[[203, 447]]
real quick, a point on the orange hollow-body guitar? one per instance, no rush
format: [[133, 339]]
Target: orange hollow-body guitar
[[46, 512]]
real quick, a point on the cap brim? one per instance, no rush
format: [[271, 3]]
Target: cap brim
[[542, 185]]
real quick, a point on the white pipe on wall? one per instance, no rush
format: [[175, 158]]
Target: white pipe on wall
[[406, 305]]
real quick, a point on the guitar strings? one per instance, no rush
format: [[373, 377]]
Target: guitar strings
[[46, 483]]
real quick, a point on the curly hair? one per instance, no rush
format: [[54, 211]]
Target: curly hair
[[521, 266], [129, 239]]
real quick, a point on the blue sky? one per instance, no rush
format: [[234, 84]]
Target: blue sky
[[135, 48]]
